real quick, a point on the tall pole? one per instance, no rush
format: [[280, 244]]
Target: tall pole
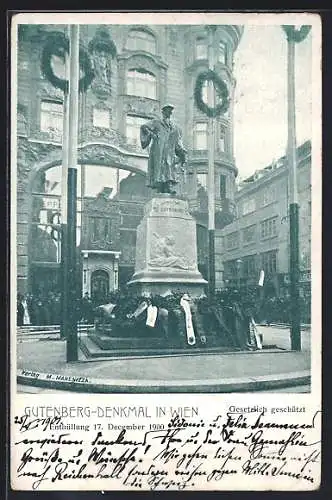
[[72, 341], [293, 200], [211, 181], [64, 178]]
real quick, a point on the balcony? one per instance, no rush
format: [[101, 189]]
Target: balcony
[[224, 211], [111, 137]]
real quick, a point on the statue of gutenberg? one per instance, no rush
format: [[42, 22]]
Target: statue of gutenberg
[[166, 151]]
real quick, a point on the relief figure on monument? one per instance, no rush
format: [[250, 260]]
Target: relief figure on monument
[[166, 151], [163, 254]]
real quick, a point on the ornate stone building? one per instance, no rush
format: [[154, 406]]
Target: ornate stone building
[[137, 69]]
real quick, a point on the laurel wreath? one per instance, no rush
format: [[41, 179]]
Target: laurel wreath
[[221, 90], [57, 44], [294, 34]]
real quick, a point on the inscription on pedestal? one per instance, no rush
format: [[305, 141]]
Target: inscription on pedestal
[[168, 207]]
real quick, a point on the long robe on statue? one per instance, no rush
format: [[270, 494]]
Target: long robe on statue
[[166, 147]]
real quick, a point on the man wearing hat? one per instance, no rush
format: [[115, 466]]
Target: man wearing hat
[[166, 151]]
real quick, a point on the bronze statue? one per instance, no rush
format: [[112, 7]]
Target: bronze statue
[[166, 151]]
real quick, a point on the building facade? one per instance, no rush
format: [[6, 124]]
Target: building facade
[[258, 239], [151, 66]]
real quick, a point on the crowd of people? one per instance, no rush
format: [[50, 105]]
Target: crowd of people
[[45, 309], [266, 309], [38, 309]]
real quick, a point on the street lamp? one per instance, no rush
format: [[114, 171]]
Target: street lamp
[[239, 263]]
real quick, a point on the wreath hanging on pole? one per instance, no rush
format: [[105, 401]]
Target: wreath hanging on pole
[[296, 34], [57, 44], [221, 90]]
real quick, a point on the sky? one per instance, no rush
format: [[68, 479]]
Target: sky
[[260, 112]]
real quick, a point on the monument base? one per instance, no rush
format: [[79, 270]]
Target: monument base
[[166, 253], [163, 288]]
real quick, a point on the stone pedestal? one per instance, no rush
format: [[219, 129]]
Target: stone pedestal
[[166, 251]]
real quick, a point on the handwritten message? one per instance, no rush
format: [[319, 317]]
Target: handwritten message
[[234, 447]]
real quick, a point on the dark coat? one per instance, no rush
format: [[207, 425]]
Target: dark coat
[[166, 146]]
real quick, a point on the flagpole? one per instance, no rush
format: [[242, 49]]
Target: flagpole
[[64, 178], [293, 198], [211, 180], [71, 254]]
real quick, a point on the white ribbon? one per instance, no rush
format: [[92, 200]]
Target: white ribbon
[[256, 334], [151, 315], [189, 322]]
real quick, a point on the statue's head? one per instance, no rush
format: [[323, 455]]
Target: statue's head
[[167, 110]]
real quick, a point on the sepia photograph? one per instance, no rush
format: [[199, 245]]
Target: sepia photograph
[[163, 184]]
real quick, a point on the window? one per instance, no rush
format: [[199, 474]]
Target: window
[[232, 240], [222, 53], [133, 125], [305, 259], [222, 186], [202, 193], [202, 181], [269, 261], [201, 48], [249, 265], [249, 234], [230, 269], [248, 206], [51, 118], [269, 196], [141, 40], [269, 228], [200, 136], [101, 118], [141, 83], [222, 139]]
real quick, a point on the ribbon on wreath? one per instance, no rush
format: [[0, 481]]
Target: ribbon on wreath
[[188, 321], [151, 317], [254, 337]]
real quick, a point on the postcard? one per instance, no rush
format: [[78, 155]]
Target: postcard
[[165, 251]]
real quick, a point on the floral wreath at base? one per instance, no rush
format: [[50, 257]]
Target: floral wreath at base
[[57, 44], [221, 90], [296, 35]]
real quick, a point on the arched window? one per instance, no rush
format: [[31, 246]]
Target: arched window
[[139, 39], [141, 83]]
